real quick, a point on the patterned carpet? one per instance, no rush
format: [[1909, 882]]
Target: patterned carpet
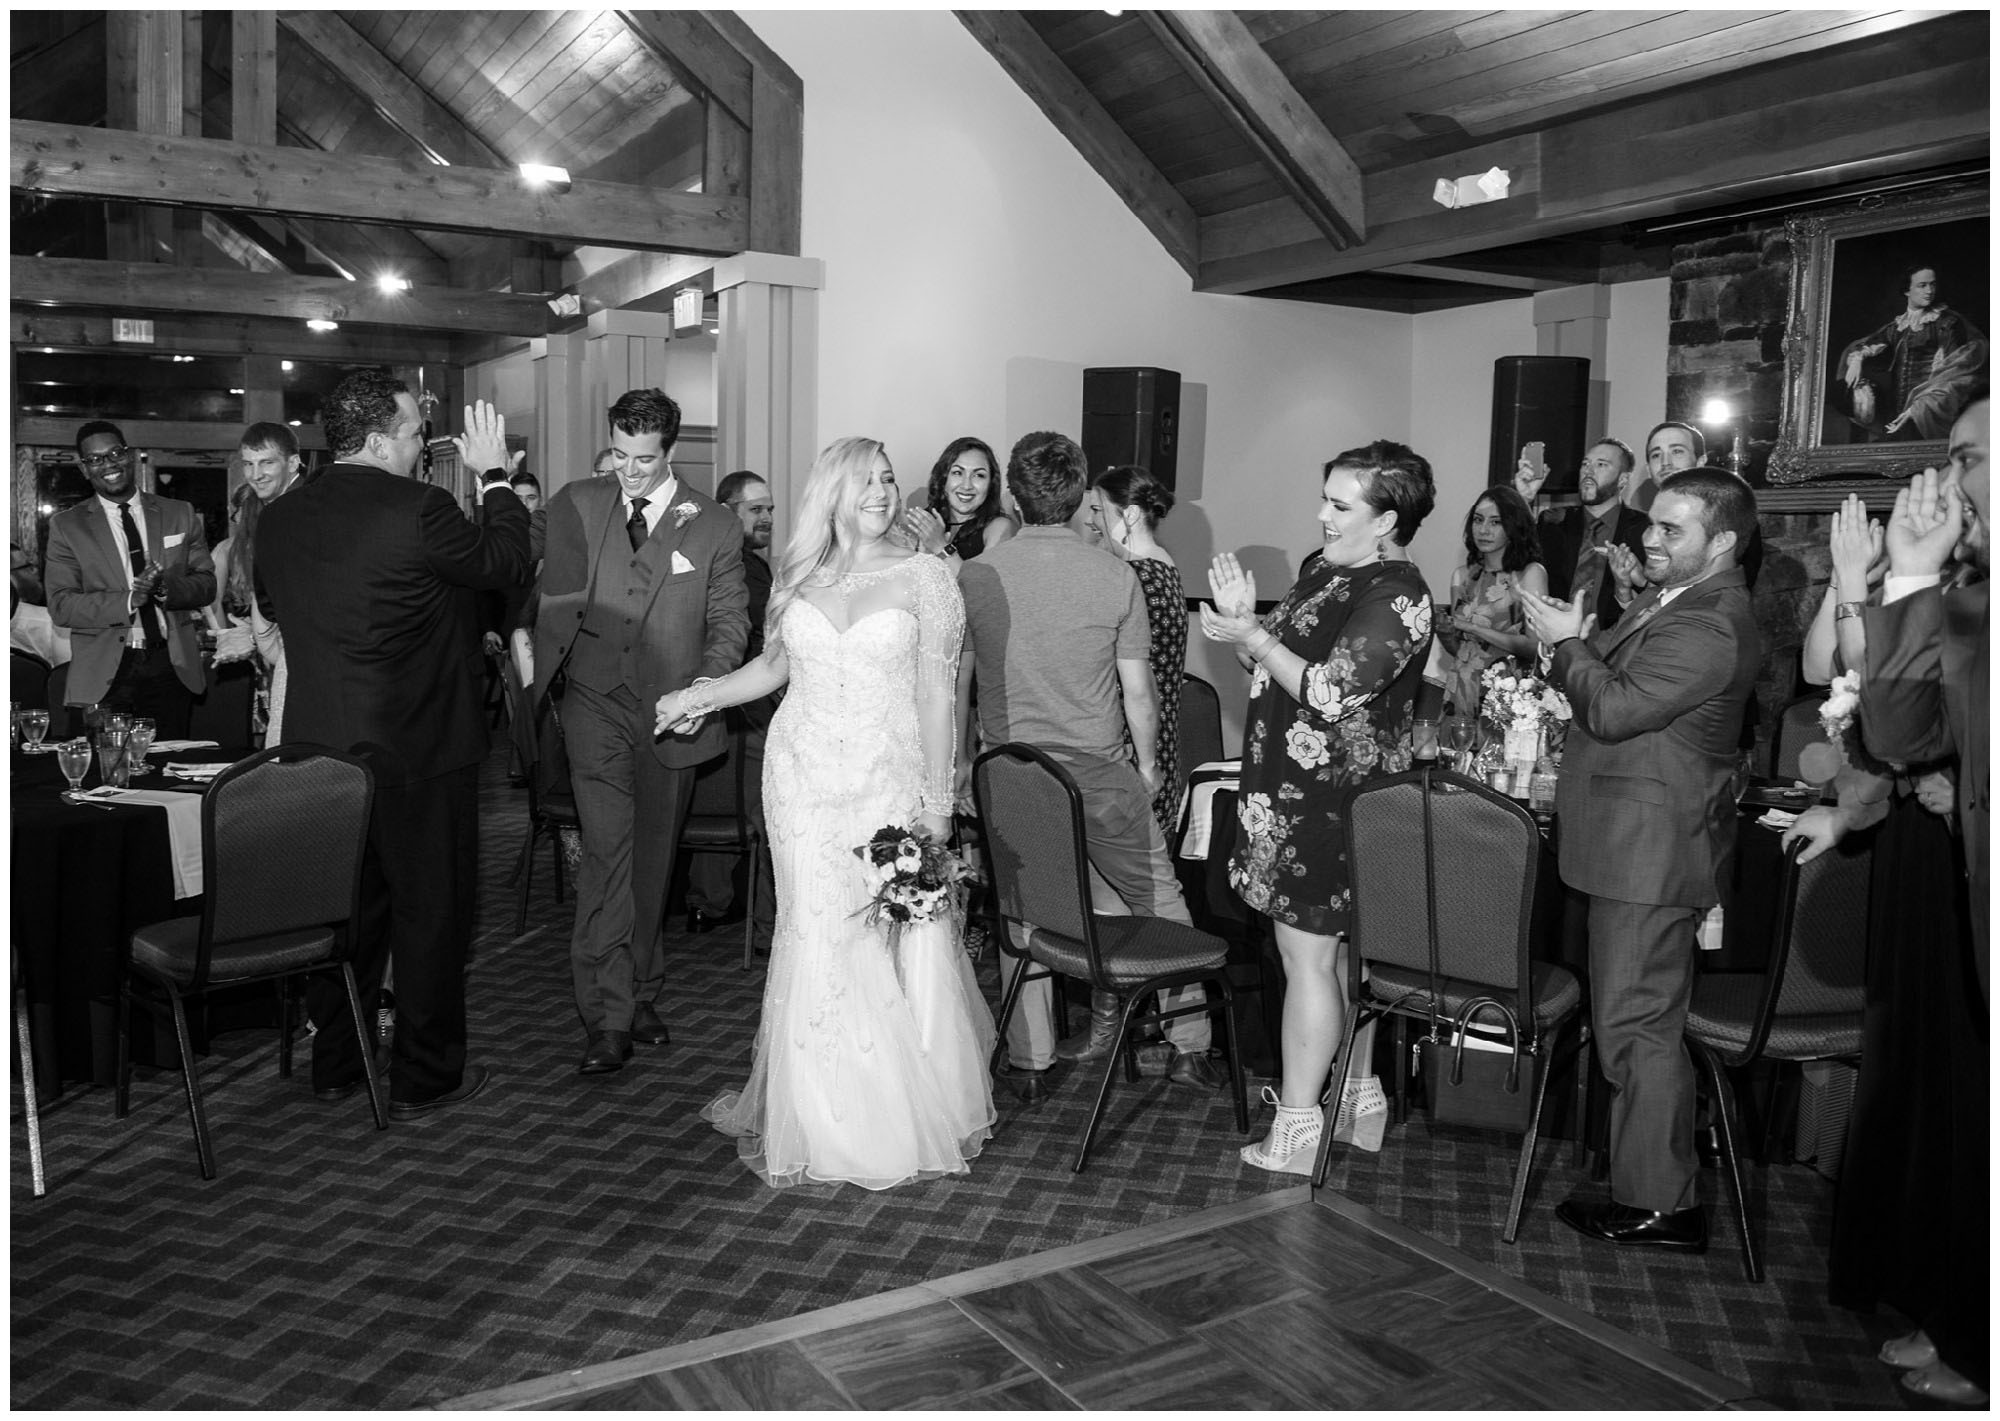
[[559, 1221]]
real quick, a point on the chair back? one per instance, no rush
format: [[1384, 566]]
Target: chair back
[[1818, 960], [29, 682], [282, 834], [1483, 856], [719, 789], [1200, 724], [1798, 726], [536, 733], [1033, 818]]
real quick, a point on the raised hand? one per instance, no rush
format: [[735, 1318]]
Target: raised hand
[[1928, 519], [483, 446], [926, 529], [1855, 543], [1626, 570], [1553, 620], [1529, 478], [1233, 588]]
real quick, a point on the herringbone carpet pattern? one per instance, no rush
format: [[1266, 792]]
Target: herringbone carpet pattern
[[559, 1221]]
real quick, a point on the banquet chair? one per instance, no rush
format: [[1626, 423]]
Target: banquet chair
[[718, 822], [1429, 846], [282, 833], [536, 730], [1806, 1005], [1200, 727], [29, 681], [1798, 726], [1040, 877]]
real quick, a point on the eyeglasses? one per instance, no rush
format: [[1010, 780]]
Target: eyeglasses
[[107, 459]]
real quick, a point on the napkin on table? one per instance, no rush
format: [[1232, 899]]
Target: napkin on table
[[187, 745], [183, 829]]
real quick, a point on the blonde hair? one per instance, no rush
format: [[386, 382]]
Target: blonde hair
[[824, 533]]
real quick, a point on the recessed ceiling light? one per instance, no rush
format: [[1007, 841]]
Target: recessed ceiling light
[[284, 364], [320, 325], [389, 284]]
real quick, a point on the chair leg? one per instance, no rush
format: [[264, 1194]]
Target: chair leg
[[1543, 1068], [1722, 1100], [366, 1033], [1586, 1062], [1331, 1110], [1013, 995], [284, 986], [1131, 1005], [524, 870], [750, 904], [204, 1150], [555, 841], [525, 856], [1236, 1091], [121, 1090], [1400, 1044], [26, 1038]]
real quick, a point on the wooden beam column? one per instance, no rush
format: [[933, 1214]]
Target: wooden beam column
[[767, 372], [253, 76], [559, 450], [144, 80]]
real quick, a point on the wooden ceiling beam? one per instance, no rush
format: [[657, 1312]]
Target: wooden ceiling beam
[[1224, 59], [775, 183], [1904, 101], [693, 49], [253, 76], [143, 286], [1472, 276], [389, 91], [1067, 104], [205, 172], [83, 332]]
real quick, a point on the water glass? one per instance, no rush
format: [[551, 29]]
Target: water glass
[[14, 720], [118, 721], [34, 725], [73, 759], [139, 740]]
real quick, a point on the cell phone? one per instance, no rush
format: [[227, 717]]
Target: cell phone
[[1533, 455]]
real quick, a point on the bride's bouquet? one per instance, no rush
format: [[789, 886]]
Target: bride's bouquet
[[916, 876]]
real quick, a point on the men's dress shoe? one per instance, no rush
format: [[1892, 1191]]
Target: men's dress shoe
[[1028, 1086], [1194, 1068], [647, 1026], [608, 1050], [473, 1082], [1685, 1230], [333, 1093], [1937, 1382], [701, 922]]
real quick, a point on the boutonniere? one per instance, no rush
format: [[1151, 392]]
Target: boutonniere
[[684, 513]]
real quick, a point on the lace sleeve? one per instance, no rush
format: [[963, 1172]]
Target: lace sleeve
[[940, 637]]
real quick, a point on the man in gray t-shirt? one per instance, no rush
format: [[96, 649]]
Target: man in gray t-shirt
[[1060, 645]]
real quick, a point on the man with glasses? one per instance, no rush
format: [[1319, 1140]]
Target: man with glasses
[[128, 574]]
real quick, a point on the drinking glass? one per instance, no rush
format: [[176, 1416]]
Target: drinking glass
[[111, 757], [14, 720], [118, 721], [1424, 741], [1460, 736], [139, 740], [93, 717], [34, 725], [73, 758]]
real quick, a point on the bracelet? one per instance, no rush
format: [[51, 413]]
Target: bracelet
[[693, 705], [1843, 610]]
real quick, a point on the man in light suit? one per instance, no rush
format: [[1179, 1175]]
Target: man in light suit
[[1925, 695], [130, 589], [374, 576], [642, 592], [1648, 824]]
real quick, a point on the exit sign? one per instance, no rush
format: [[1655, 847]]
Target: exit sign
[[132, 332], [687, 310]]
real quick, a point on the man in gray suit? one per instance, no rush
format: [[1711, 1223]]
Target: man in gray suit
[[642, 592], [129, 589], [1648, 824]]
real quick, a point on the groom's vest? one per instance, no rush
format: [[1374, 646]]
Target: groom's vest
[[606, 653]]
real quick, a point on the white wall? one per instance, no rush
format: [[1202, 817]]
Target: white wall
[[1636, 361]]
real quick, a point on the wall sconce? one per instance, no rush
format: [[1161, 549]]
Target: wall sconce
[[567, 304], [1718, 414], [1489, 186]]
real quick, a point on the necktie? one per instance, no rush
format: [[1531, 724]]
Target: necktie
[[149, 615], [635, 526]]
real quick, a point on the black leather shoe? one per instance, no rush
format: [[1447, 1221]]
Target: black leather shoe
[[1684, 1230], [473, 1082], [701, 922], [1194, 1068], [333, 1093], [608, 1050], [647, 1027], [1028, 1086]]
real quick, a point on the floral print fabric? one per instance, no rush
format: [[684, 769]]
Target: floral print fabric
[[1364, 633]]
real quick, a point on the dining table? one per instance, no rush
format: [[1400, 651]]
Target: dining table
[[86, 874]]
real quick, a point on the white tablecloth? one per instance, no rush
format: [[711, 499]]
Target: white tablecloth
[[1198, 803]]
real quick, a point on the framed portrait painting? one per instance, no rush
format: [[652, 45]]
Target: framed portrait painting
[[1886, 335]]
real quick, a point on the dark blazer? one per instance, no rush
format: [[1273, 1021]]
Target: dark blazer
[[695, 623], [1925, 698], [374, 579], [88, 589], [1562, 532], [757, 582], [1657, 703]]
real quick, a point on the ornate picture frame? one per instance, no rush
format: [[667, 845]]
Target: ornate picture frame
[[1873, 378]]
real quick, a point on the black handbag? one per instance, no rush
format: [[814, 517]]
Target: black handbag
[[1483, 1088]]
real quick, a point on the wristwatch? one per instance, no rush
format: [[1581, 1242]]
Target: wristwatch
[[1843, 610], [491, 477]]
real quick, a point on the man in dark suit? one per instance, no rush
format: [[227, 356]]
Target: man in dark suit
[[1925, 696], [374, 577], [1593, 549], [710, 889], [642, 592], [1648, 824], [130, 589]]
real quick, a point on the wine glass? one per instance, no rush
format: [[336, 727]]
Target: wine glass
[[1459, 735], [34, 725], [139, 740], [73, 759]]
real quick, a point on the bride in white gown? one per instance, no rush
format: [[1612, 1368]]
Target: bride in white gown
[[871, 1062]]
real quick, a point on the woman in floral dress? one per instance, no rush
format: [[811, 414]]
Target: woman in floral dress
[[1486, 624], [1335, 673]]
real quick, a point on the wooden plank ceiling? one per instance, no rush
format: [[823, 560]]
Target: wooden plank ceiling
[[409, 113], [1236, 136]]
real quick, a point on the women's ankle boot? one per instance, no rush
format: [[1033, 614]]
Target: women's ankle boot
[[1101, 1039]]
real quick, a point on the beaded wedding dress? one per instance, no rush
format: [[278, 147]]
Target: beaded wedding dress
[[871, 1060]]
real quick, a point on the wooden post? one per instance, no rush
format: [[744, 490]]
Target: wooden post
[[767, 385], [144, 81], [253, 76]]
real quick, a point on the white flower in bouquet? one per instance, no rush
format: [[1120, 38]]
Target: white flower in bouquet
[[1843, 698]]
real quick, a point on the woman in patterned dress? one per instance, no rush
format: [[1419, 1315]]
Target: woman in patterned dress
[[1335, 670], [1123, 507], [1486, 625]]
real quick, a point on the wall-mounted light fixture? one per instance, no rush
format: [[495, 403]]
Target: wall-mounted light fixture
[[1489, 186], [322, 325], [545, 175], [390, 284]]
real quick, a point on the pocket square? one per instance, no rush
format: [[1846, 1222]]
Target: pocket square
[[174, 540], [681, 564]]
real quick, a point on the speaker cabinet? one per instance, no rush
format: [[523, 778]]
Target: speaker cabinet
[[1539, 397], [1132, 415]]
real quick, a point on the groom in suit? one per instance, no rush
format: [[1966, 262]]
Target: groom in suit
[[129, 589], [1648, 824], [642, 593]]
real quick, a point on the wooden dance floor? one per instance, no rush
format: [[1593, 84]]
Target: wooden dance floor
[[1279, 1302]]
